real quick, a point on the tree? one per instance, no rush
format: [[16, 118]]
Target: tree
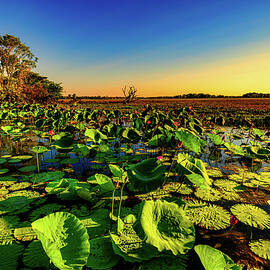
[[47, 90], [15, 57], [17, 81], [129, 93]]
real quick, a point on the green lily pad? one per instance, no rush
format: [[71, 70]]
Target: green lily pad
[[3, 160], [46, 176], [4, 170], [29, 168]]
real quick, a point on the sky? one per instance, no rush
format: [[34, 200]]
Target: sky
[[162, 47]]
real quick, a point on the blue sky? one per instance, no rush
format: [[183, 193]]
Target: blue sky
[[98, 46]]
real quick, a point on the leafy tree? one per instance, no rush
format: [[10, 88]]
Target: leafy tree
[[15, 57], [17, 81]]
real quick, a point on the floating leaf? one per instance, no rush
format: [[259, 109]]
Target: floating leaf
[[29, 168], [25, 234], [4, 170], [251, 215], [209, 216], [261, 248], [46, 176]]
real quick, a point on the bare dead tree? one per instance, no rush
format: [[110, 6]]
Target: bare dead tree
[[129, 93]]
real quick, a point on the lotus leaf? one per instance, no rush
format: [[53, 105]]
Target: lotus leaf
[[261, 248], [18, 204], [105, 183], [29, 168], [35, 256], [8, 222], [216, 139], [97, 223], [146, 176], [95, 135], [165, 226], [46, 176], [102, 255], [209, 216], [130, 246], [193, 169], [213, 259], [189, 140], [39, 149], [3, 160], [69, 161], [58, 232], [165, 262], [4, 170], [15, 160], [44, 211], [251, 215], [236, 149], [9, 254]]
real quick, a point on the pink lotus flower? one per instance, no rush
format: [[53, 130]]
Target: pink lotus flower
[[51, 132], [175, 123], [233, 220], [160, 157]]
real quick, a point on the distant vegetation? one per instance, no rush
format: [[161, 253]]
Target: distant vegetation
[[184, 96], [17, 80]]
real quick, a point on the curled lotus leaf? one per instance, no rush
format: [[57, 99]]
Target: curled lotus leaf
[[261, 248], [194, 170], [58, 232], [252, 215], [165, 226], [146, 176]]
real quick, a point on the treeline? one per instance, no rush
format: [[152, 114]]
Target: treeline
[[184, 96]]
